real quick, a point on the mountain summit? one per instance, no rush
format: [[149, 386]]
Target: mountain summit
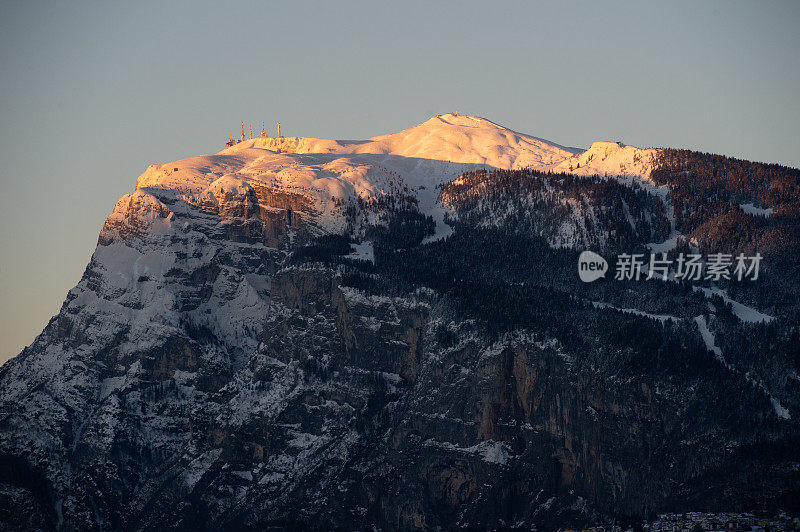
[[415, 161], [447, 137]]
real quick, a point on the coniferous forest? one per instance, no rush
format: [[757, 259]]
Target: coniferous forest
[[499, 268]]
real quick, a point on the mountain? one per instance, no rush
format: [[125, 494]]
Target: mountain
[[313, 333]]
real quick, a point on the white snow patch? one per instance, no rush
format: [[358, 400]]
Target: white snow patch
[[667, 245], [244, 475], [780, 410], [749, 208], [708, 338], [197, 468], [660, 317], [489, 451], [743, 312], [363, 251]]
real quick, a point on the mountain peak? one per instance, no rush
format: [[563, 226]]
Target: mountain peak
[[456, 119], [468, 139]]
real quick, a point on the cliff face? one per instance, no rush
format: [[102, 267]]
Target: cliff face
[[347, 409], [373, 333], [215, 387], [200, 376]]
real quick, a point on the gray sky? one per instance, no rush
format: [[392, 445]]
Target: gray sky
[[91, 93]]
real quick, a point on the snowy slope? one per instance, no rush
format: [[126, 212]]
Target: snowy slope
[[610, 158], [447, 138], [414, 161]]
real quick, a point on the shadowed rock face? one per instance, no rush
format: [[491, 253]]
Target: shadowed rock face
[[375, 334], [343, 409], [321, 405]]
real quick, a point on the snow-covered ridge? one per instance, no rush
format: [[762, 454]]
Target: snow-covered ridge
[[448, 138], [610, 158], [414, 161]]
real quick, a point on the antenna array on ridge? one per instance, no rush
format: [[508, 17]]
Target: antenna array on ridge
[[264, 134]]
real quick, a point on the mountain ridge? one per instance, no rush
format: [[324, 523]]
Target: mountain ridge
[[416, 160]]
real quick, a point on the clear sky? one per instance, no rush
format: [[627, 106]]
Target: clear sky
[[91, 93]]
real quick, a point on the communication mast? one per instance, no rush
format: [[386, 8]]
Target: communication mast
[[263, 131], [279, 131], [242, 131]]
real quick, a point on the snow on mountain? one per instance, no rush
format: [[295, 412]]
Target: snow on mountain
[[743, 312], [749, 208], [609, 158], [261, 188], [467, 139], [627, 164], [447, 138], [708, 338], [414, 161]]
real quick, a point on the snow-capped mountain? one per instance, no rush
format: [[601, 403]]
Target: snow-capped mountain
[[229, 359], [416, 162]]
